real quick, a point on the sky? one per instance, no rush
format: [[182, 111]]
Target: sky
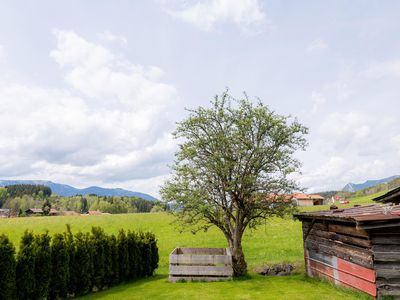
[[90, 91]]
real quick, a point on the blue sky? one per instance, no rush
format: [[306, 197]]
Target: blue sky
[[91, 90]]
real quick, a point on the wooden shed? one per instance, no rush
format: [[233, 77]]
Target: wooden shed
[[356, 247], [392, 196], [39, 212]]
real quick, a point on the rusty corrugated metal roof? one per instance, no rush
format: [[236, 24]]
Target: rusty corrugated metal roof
[[365, 213]]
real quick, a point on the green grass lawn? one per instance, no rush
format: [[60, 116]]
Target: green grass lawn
[[278, 240]]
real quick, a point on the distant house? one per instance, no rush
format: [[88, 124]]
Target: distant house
[[5, 213], [301, 199], [39, 212]]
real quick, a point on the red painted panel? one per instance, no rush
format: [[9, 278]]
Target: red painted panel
[[356, 270], [337, 276], [358, 283]]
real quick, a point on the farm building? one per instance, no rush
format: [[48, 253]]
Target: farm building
[[392, 196], [356, 247], [39, 212], [307, 200], [5, 213]]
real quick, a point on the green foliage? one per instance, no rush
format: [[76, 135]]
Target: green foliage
[[46, 207], [68, 264], [72, 264], [60, 261], [114, 262], [79, 204], [84, 205], [25, 272], [83, 263], [43, 266], [123, 256], [7, 269], [233, 162], [99, 243], [3, 195], [157, 208], [18, 190]]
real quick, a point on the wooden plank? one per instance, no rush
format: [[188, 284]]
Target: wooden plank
[[200, 259], [367, 274], [202, 278], [201, 270], [349, 230], [361, 257], [342, 229], [389, 230], [202, 251], [361, 242], [351, 249], [386, 248], [388, 273], [388, 291], [386, 239], [387, 256]]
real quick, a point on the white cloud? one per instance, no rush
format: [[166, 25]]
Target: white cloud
[[351, 125], [2, 53], [317, 44], [247, 14], [337, 171], [111, 122], [317, 100], [108, 36], [379, 70], [396, 142]]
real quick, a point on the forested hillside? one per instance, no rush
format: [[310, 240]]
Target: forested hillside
[[18, 198]]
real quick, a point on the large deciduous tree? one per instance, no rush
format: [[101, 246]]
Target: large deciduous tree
[[232, 168]]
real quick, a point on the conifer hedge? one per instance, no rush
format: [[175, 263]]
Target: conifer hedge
[[68, 264]]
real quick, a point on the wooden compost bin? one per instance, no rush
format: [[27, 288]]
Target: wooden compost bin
[[200, 264], [356, 247]]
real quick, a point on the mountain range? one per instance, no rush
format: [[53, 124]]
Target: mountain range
[[67, 190], [354, 187]]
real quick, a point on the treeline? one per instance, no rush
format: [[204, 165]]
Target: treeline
[[18, 190], [68, 265], [79, 204]]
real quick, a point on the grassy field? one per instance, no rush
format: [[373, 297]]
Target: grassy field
[[278, 240]]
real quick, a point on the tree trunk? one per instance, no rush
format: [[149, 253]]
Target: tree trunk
[[238, 262]]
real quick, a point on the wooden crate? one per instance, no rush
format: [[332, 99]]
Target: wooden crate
[[200, 264]]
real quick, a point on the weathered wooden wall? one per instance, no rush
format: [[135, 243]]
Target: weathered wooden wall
[[386, 248], [200, 264], [340, 253]]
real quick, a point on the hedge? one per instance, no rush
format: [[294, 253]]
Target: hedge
[[68, 265]]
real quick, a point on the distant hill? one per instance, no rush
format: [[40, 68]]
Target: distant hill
[[354, 187], [67, 190]]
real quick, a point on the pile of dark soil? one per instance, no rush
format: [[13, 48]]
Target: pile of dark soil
[[276, 270]]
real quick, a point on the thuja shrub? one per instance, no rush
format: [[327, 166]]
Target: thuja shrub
[[8, 263], [68, 265], [26, 267], [60, 263]]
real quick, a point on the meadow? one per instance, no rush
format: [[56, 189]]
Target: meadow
[[277, 240]]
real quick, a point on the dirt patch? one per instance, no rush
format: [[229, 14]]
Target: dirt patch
[[276, 270]]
